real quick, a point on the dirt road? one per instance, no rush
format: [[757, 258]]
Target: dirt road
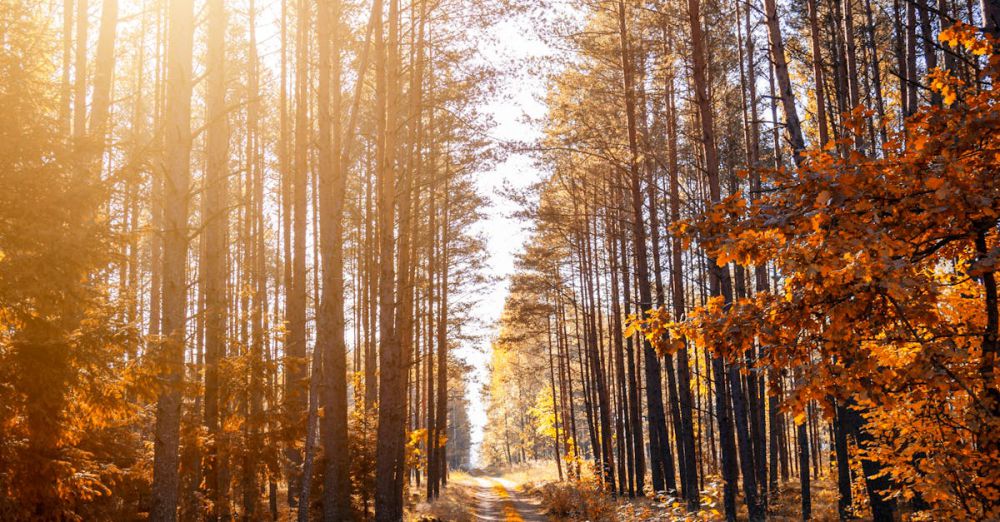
[[497, 500]]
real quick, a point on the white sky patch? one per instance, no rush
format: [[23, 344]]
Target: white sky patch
[[518, 102]]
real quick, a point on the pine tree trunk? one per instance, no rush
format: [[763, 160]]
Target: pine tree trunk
[[802, 441], [296, 391], [912, 77], [104, 67], [928, 37], [689, 480], [792, 124], [330, 321], [177, 149], [432, 433], [441, 417], [817, 66], [991, 334], [851, 55], [66, 89], [720, 284], [774, 434], [404, 291], [634, 406], [899, 44], [80, 72], [591, 336], [845, 500], [876, 71], [552, 390], [584, 362], [748, 81], [214, 270], [991, 16], [654, 236], [883, 508], [654, 393], [392, 373], [304, 499], [258, 270], [624, 427]]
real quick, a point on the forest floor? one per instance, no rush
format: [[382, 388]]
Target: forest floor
[[785, 506], [499, 500], [489, 496], [534, 493]]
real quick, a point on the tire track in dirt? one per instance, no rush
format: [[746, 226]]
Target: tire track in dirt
[[497, 501]]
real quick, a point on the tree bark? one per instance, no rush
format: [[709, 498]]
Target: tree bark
[[296, 391], [845, 501], [912, 77], [654, 391], [177, 149], [66, 89], [793, 127], [721, 285], [633, 387], [991, 16], [258, 275], [104, 67], [802, 440], [876, 71], [689, 481], [330, 318], [432, 436], [441, 450], [80, 72], [392, 373], [552, 390], [818, 82], [991, 334], [214, 268], [928, 37]]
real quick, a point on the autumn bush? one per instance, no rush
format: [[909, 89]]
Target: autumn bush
[[887, 301], [576, 500]]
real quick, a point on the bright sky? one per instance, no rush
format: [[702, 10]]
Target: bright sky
[[519, 101]]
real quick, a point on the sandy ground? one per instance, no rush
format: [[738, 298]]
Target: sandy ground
[[497, 500]]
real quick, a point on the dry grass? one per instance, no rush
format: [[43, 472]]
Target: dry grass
[[458, 500], [582, 500], [787, 505], [454, 505], [561, 499], [527, 476]]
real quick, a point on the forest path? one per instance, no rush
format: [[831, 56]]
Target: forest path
[[498, 501]]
